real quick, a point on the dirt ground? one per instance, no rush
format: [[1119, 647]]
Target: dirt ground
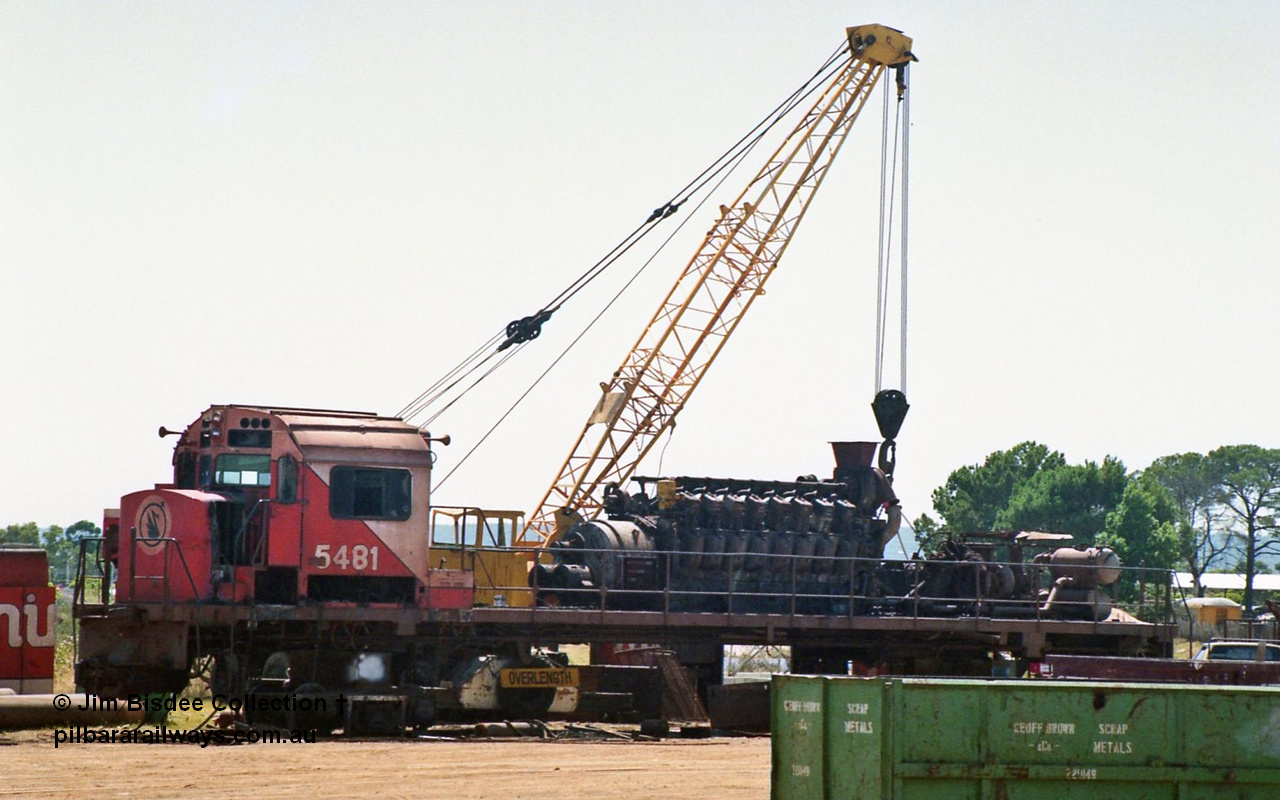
[[30, 766]]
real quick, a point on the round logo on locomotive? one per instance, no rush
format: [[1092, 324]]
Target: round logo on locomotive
[[152, 523]]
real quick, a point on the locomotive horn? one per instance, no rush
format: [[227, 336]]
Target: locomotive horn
[[444, 440], [166, 432]]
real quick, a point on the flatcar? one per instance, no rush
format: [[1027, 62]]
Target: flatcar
[[297, 552]]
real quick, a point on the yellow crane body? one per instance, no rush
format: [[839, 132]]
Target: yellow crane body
[[642, 397]]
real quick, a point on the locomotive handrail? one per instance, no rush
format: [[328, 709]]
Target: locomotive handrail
[[164, 541], [78, 589], [238, 539]]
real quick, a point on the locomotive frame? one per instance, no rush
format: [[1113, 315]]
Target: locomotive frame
[[246, 564]]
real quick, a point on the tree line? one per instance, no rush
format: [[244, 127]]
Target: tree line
[[1191, 512], [61, 544]]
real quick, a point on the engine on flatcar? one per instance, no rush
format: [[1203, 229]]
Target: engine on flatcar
[[807, 546], [694, 541]]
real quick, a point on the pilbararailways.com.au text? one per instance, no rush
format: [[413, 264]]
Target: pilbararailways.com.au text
[[165, 735]]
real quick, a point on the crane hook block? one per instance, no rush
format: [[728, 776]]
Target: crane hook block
[[890, 408], [525, 329], [880, 44]]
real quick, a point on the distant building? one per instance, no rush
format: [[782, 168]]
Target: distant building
[[1225, 581], [1213, 610]]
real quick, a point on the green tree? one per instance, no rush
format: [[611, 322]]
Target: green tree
[[1142, 530], [63, 548], [1074, 499], [928, 533], [1249, 482], [59, 550], [28, 533], [974, 496], [83, 528], [1194, 484]]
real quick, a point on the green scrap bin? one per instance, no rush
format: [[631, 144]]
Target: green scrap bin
[[921, 739]]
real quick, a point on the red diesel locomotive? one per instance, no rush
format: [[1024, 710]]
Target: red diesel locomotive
[[278, 506]]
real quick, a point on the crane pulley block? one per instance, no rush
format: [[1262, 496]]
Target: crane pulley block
[[525, 329], [880, 44]]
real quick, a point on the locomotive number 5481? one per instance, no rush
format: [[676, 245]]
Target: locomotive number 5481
[[357, 557]]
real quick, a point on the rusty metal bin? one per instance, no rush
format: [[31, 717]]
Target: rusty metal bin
[[907, 738]]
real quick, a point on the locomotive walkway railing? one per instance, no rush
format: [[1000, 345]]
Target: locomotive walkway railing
[[93, 576], [94, 572]]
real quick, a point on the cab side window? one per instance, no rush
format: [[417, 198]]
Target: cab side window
[[184, 472], [287, 480], [369, 493]]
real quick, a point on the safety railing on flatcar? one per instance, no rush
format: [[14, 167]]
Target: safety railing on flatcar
[[793, 585]]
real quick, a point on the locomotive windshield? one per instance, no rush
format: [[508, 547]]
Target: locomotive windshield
[[234, 469]]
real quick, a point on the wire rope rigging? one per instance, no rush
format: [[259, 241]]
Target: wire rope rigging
[[890, 405], [437, 397], [642, 398]]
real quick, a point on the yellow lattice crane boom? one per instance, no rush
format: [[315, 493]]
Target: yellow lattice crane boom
[[728, 272]]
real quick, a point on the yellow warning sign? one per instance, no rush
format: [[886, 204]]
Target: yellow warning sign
[[537, 677]]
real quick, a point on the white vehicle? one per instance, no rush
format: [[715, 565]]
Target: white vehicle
[[1238, 650]]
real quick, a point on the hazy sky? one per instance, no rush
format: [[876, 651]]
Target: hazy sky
[[330, 204]]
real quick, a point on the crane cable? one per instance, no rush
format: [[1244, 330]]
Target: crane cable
[[725, 163], [505, 358], [888, 188], [452, 378], [584, 331], [518, 332], [905, 102], [528, 328]]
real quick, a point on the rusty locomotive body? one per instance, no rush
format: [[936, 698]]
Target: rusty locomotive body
[[298, 550]]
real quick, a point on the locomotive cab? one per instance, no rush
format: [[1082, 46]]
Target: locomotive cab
[[280, 506]]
